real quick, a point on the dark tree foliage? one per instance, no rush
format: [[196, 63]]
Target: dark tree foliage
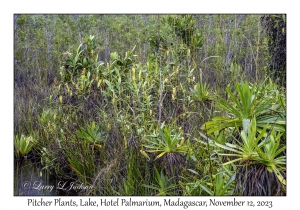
[[275, 27]]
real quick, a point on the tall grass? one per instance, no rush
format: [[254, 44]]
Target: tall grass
[[117, 101]]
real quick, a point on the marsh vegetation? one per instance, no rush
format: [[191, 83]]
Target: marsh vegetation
[[153, 104]]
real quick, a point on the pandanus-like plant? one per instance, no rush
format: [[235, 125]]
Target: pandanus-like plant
[[260, 157], [23, 145], [250, 102], [169, 146]]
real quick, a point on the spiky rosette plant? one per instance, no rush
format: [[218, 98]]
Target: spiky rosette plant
[[169, 148], [260, 160], [23, 145], [251, 101]]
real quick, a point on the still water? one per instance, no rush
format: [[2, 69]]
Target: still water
[[30, 179]]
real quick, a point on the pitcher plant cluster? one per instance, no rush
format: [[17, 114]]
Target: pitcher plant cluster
[[170, 115]]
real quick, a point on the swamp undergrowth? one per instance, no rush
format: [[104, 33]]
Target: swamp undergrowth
[[151, 104]]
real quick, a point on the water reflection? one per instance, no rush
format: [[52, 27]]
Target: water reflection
[[30, 179]]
